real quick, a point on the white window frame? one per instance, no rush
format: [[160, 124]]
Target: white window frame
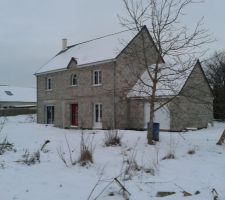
[[52, 108], [97, 81], [48, 86], [97, 122], [99, 117], [72, 79]]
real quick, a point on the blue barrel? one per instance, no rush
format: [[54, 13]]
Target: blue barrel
[[156, 128]]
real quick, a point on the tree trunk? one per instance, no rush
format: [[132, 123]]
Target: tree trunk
[[151, 119], [150, 128]]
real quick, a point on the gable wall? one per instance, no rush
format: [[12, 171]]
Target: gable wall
[[130, 65], [194, 106]]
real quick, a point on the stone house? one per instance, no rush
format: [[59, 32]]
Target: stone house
[[87, 85]]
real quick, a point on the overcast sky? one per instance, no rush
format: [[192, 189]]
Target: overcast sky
[[31, 30]]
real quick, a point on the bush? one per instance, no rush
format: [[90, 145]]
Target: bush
[[191, 151], [5, 146], [85, 156], [131, 167], [30, 158], [86, 151], [169, 156], [112, 138]]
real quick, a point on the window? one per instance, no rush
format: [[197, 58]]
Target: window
[[97, 77], [73, 79], [98, 112], [50, 114], [9, 93], [48, 83]]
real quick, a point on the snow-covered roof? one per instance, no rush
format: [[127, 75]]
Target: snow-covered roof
[[100, 49], [171, 82], [17, 94]]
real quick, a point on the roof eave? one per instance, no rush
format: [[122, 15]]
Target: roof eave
[[78, 66]]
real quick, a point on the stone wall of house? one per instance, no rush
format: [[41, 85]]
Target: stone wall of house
[[117, 80], [131, 63], [136, 114], [85, 94], [194, 106]]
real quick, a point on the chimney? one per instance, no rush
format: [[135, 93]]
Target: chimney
[[64, 43]]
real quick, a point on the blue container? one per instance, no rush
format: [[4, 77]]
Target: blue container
[[156, 128]]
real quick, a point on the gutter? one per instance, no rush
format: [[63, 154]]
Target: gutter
[[78, 66]]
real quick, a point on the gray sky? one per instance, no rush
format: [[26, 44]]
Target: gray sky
[[31, 30]]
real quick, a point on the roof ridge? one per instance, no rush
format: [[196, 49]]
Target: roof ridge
[[94, 39], [87, 42]]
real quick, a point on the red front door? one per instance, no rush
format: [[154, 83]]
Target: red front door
[[74, 114]]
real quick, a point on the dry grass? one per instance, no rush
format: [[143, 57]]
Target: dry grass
[[191, 151], [169, 156], [112, 138], [86, 156], [86, 151]]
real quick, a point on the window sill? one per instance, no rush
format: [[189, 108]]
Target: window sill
[[49, 90], [96, 85]]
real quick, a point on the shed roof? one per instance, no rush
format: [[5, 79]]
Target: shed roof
[[171, 83], [17, 94]]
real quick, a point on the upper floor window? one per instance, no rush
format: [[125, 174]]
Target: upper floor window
[[97, 77], [48, 85], [73, 80]]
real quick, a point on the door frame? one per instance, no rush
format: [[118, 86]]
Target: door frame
[[76, 115], [97, 124], [161, 116]]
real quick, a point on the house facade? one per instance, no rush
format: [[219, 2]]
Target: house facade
[[90, 91], [87, 86]]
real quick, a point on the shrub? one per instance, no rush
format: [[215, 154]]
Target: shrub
[[191, 151], [5, 145], [86, 151], [112, 138], [131, 166], [169, 156], [30, 158]]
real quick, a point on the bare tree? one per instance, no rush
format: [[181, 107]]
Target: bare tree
[[215, 72], [175, 43]]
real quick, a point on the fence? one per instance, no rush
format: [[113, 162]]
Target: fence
[[18, 111]]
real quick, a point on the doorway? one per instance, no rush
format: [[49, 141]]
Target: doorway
[[74, 114]]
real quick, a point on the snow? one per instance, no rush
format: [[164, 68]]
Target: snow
[[171, 82], [92, 51], [17, 94], [51, 179]]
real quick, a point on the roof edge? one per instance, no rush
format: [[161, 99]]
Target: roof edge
[[78, 66], [150, 37]]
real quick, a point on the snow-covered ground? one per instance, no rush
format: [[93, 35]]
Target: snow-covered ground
[[51, 179]]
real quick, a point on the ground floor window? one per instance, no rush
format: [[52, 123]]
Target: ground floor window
[[98, 112], [50, 114]]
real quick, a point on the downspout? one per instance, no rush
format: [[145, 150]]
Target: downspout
[[114, 94]]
